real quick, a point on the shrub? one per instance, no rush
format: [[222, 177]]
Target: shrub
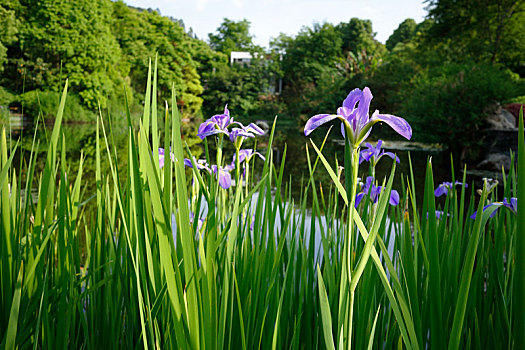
[[448, 104], [46, 102]]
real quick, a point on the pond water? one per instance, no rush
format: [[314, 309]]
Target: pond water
[[81, 138]]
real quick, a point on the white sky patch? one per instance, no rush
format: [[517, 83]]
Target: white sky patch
[[268, 18], [201, 5], [238, 3]]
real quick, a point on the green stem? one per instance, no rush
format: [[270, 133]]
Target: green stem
[[355, 167], [237, 167], [519, 300]]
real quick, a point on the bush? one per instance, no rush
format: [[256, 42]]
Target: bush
[[448, 104], [46, 102], [6, 97]]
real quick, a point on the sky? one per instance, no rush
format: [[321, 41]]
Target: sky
[[268, 18]]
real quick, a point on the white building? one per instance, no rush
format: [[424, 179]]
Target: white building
[[241, 57], [245, 57]]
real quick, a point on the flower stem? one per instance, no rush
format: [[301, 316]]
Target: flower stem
[[237, 167], [354, 169]]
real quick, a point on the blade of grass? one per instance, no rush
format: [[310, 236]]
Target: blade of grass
[[13, 315], [325, 313], [519, 301]]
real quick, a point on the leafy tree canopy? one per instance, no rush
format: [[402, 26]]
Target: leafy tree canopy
[[232, 36], [485, 30], [403, 33]]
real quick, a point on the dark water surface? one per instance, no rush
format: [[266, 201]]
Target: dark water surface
[[81, 138]]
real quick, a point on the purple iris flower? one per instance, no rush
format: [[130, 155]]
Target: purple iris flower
[[223, 175], [247, 154], [512, 205], [356, 119], [218, 124], [199, 224], [374, 191], [161, 157], [439, 214], [251, 130], [443, 188], [374, 153], [201, 164]]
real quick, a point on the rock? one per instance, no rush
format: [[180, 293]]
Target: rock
[[514, 108], [494, 162], [502, 119]]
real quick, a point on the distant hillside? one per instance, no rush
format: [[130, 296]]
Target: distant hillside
[[101, 46]]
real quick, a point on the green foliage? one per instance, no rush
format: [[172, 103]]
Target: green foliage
[[454, 100], [60, 39], [232, 36], [44, 104], [484, 31], [8, 32], [246, 88], [6, 96], [258, 269], [242, 87], [139, 33], [102, 47], [403, 33], [324, 62], [358, 36]]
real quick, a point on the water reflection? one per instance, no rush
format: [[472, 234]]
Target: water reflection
[[81, 139]]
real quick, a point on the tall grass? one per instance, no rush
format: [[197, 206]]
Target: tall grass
[[260, 270]]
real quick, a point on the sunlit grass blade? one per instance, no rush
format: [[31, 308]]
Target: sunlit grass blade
[[13, 315], [518, 300], [332, 173], [372, 333], [466, 272], [325, 312]]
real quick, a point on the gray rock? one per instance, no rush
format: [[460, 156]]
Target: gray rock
[[502, 119], [495, 161]]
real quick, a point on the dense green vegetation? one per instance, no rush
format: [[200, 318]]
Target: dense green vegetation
[[103, 47], [164, 265]]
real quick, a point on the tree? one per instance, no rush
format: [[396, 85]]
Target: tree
[[8, 32], [244, 87], [403, 33], [357, 36], [59, 39], [485, 30], [232, 36], [142, 34]]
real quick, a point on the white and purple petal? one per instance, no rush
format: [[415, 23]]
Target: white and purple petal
[[441, 190], [399, 124], [358, 198], [225, 178], [316, 121], [394, 197], [353, 97], [255, 129], [161, 158], [391, 155], [364, 106]]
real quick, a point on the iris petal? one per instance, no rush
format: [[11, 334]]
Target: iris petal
[[359, 198], [316, 121], [364, 106], [394, 197], [399, 124], [441, 190], [352, 98], [225, 179], [391, 155], [254, 128]]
